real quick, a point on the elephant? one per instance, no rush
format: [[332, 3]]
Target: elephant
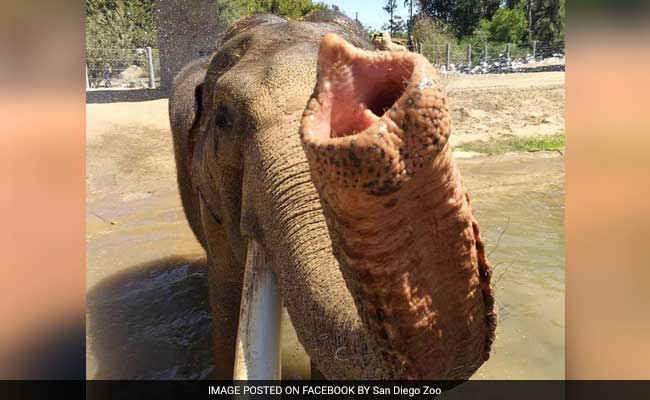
[[334, 157]]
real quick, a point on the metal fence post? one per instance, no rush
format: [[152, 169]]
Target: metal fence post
[[469, 56], [508, 55], [485, 55], [87, 81], [420, 48], [534, 49], [448, 55], [152, 78]]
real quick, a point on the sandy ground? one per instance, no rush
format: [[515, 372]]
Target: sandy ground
[[129, 146], [488, 106], [135, 220]]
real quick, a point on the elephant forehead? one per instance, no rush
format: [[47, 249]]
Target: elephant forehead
[[292, 66], [270, 69], [281, 82], [290, 76]]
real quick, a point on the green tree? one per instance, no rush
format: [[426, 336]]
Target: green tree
[[119, 24], [289, 9], [548, 23], [433, 34], [129, 23], [397, 29], [390, 7], [462, 15], [508, 25], [482, 34], [413, 10], [113, 28], [227, 10]]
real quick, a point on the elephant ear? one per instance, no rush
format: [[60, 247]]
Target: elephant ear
[[185, 104]]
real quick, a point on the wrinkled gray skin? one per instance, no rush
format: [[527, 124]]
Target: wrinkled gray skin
[[242, 174]]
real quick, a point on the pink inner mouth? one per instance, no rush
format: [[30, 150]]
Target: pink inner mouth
[[375, 119], [357, 92]]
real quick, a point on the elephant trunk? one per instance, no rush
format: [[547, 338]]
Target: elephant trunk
[[375, 134]]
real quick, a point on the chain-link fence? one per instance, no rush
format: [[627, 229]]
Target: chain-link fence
[[122, 68], [140, 68], [494, 58]]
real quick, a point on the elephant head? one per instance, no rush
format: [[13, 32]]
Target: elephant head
[[335, 159]]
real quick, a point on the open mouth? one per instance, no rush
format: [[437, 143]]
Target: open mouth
[[375, 117], [358, 87]]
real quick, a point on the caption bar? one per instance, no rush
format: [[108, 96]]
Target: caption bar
[[310, 389]]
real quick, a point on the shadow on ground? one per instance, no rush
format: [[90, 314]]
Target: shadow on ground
[[120, 96], [152, 321]]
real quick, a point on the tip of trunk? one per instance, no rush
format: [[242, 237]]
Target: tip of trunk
[[375, 117]]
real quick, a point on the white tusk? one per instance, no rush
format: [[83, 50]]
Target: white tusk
[[257, 355]]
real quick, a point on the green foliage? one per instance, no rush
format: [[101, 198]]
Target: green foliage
[[396, 27], [390, 7], [514, 3], [228, 11], [511, 143], [434, 36], [125, 25], [463, 16], [427, 29], [508, 25], [482, 34], [129, 23], [499, 21], [413, 7], [395, 22], [113, 26], [289, 9], [119, 24], [548, 20]]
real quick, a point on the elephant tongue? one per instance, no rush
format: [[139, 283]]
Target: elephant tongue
[[375, 118]]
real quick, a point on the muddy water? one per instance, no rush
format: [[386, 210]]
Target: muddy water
[[148, 313], [519, 202]]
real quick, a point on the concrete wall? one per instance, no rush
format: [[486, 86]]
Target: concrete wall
[[186, 29]]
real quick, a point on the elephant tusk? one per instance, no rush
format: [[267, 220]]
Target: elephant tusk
[[257, 355]]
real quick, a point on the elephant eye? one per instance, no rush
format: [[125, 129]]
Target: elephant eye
[[223, 118]]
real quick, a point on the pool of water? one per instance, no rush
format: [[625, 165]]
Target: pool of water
[[519, 203], [148, 314]]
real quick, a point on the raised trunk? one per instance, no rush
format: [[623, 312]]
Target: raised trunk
[[375, 134], [412, 264]]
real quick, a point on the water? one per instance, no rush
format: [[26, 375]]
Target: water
[[519, 204], [148, 313], [152, 322]]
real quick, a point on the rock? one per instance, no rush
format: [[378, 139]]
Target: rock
[[132, 73]]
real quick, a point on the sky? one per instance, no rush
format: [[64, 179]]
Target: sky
[[370, 12]]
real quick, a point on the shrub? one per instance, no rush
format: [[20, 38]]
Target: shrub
[[289, 9], [508, 25], [113, 26], [434, 36]]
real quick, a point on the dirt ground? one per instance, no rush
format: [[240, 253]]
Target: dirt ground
[[488, 106], [135, 222], [129, 146]]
